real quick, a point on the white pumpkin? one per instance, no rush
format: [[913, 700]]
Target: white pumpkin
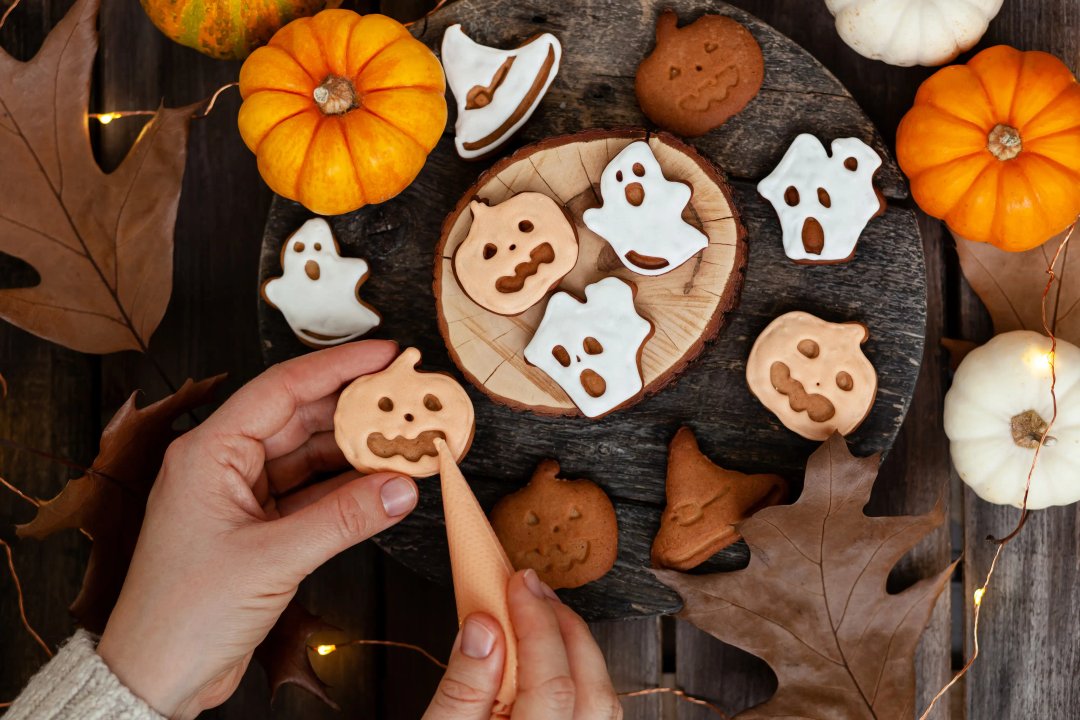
[[912, 32], [997, 410]]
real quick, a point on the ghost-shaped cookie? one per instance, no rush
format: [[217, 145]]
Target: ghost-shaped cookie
[[515, 252], [318, 291], [823, 200], [496, 90], [592, 349], [641, 217]]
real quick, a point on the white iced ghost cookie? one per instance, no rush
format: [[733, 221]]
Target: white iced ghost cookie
[[496, 90], [824, 201], [318, 289], [641, 217], [592, 349]]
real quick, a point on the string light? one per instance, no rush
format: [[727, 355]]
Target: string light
[[325, 649]]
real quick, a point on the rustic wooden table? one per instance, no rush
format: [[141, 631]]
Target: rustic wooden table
[[59, 401]]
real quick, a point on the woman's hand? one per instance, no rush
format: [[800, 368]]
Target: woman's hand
[[224, 543], [561, 671]]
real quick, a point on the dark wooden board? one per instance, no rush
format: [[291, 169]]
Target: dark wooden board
[[626, 452]]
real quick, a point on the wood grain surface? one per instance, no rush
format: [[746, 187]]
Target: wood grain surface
[[58, 401]]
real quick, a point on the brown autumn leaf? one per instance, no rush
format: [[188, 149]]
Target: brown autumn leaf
[[284, 652], [108, 502], [1011, 285], [102, 243], [813, 604]]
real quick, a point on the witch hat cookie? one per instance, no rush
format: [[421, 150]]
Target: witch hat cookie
[[480, 567], [704, 503], [496, 90]]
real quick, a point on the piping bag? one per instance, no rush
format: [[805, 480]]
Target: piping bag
[[480, 567]]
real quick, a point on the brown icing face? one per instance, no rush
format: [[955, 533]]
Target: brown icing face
[[389, 421], [515, 252], [700, 75], [565, 530], [813, 374]]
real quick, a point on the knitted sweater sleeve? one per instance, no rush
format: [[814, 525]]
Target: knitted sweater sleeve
[[78, 684]]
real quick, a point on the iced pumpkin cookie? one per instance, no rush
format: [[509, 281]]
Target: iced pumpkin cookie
[[389, 420], [515, 252], [704, 504], [812, 374], [700, 75], [565, 530]]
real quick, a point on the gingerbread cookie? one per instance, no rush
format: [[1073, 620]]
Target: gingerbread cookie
[[824, 201], [704, 504], [515, 252], [565, 530], [389, 420], [641, 217], [813, 374], [700, 75], [496, 90], [318, 291], [592, 349]]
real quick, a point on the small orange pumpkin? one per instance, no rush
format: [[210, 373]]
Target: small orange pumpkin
[[341, 109], [993, 147]]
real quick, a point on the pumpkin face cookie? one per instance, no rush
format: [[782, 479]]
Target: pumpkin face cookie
[[812, 374], [704, 504], [565, 530], [700, 75], [515, 252], [389, 420]]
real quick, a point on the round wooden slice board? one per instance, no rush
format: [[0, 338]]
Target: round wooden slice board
[[884, 286], [686, 306]]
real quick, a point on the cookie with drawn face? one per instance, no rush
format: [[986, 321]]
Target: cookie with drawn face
[[641, 216], [812, 374], [515, 252], [565, 530], [700, 75], [318, 291], [389, 421]]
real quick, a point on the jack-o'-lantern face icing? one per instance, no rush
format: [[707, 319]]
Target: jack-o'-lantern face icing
[[813, 374], [389, 420], [700, 75], [565, 530], [515, 252], [592, 349], [641, 217]]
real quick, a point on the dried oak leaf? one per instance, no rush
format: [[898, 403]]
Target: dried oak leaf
[[813, 604], [101, 243], [108, 502], [284, 652], [1011, 285]]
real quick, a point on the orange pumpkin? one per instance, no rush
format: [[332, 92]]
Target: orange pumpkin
[[341, 109], [993, 147]]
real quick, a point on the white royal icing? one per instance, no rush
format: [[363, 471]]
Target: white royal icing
[[469, 64], [655, 227], [806, 166], [607, 316], [324, 311]]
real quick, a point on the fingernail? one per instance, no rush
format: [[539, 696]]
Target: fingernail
[[477, 641], [536, 587], [398, 496], [549, 593]]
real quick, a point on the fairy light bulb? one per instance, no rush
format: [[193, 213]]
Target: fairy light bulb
[[106, 118], [325, 649], [978, 596]]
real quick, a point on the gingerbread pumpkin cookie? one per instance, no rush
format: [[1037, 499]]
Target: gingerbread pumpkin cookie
[[389, 420], [565, 530], [515, 252], [704, 504], [700, 75], [812, 374]]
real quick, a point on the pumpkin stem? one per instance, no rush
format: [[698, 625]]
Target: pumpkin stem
[[1004, 142], [336, 95], [1028, 428]]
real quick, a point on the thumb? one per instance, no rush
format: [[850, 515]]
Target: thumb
[[467, 690], [331, 521]]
